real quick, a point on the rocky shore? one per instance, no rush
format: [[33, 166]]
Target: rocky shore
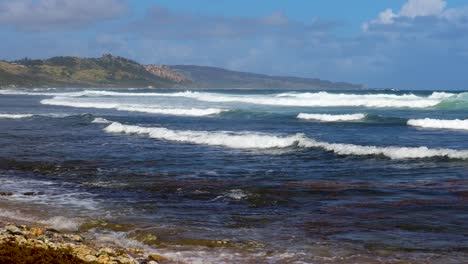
[[25, 244]]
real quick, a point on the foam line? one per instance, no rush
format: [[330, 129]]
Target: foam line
[[254, 140]]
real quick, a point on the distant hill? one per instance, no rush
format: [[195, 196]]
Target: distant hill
[[116, 72], [107, 71], [212, 77]]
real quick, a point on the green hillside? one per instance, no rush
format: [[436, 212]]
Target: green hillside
[[116, 72], [107, 71]]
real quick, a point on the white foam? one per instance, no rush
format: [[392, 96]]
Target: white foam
[[331, 118], [56, 222], [439, 123], [325, 99], [100, 120], [173, 111], [62, 223], [307, 99], [254, 140], [247, 140], [71, 102], [15, 116], [235, 194], [48, 193]]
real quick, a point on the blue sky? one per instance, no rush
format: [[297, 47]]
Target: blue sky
[[407, 44]]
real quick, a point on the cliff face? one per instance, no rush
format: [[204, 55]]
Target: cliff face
[[166, 72]]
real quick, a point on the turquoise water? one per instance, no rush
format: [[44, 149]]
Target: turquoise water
[[244, 176]]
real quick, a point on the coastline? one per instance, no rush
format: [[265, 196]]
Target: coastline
[[30, 242]]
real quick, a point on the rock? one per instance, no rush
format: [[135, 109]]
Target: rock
[[6, 193], [13, 230], [75, 238], [83, 251], [157, 257], [90, 258], [36, 231], [124, 260], [103, 259], [152, 262], [136, 251], [106, 251]]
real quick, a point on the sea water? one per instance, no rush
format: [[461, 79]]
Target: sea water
[[259, 176]]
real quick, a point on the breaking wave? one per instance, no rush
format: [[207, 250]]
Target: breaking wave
[[325, 99], [440, 124], [100, 120], [254, 140], [134, 108], [15, 116], [304, 99], [331, 118]]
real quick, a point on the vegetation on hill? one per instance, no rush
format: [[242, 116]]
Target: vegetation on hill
[[107, 71], [212, 77], [117, 72]]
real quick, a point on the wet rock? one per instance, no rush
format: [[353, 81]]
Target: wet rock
[[90, 258], [157, 258], [74, 237], [145, 237], [106, 251], [105, 225], [6, 193], [103, 259], [35, 241], [13, 230], [36, 231]]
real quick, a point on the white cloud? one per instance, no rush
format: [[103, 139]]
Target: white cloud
[[37, 15], [415, 8], [387, 16], [411, 9]]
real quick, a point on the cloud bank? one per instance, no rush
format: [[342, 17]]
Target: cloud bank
[[421, 44], [45, 15]]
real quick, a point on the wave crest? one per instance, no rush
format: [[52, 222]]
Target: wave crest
[[254, 140], [439, 123], [331, 118], [325, 99], [134, 108], [15, 116]]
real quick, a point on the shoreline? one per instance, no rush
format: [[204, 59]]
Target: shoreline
[[30, 242]]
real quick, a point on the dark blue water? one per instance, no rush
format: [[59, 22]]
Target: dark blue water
[[248, 183]]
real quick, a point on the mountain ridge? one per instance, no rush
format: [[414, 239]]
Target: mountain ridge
[[111, 71]]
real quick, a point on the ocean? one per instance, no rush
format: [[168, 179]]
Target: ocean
[[244, 176]]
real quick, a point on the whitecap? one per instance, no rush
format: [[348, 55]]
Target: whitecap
[[331, 118], [100, 120], [255, 140], [62, 101], [439, 123], [15, 116]]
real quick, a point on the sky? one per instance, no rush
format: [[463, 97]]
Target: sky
[[404, 44]]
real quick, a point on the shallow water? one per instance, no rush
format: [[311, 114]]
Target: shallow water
[[236, 176]]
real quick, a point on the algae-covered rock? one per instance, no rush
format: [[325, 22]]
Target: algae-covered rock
[[118, 227]]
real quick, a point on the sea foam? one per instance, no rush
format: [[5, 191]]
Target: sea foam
[[255, 140], [439, 123], [325, 99], [331, 118], [70, 102], [100, 120], [15, 116], [305, 99]]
